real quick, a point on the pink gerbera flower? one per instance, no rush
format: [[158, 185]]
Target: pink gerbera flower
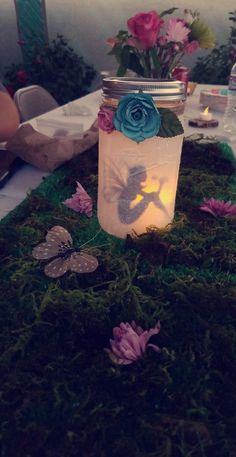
[[130, 343], [177, 31], [218, 207]]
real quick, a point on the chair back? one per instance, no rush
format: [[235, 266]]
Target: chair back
[[32, 101]]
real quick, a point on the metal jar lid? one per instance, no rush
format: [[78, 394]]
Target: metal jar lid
[[116, 88]]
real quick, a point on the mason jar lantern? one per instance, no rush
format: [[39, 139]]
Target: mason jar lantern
[[140, 143]]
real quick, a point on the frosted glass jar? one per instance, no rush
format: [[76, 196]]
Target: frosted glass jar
[[137, 182]]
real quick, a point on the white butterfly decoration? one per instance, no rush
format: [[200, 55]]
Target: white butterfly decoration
[[64, 257]]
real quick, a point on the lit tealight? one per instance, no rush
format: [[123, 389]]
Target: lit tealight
[[205, 115]]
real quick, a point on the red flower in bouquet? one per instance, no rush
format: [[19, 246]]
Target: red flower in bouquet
[[153, 46], [145, 28]]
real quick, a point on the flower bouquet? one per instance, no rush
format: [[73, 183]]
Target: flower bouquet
[[153, 46]]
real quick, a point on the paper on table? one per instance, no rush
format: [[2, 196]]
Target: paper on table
[[71, 109], [61, 126], [49, 153]]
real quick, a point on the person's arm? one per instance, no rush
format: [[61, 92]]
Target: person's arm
[[9, 117]]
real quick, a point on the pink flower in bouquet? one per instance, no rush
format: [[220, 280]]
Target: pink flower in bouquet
[[218, 207], [145, 27], [133, 42], [80, 202], [177, 31], [162, 40], [153, 45], [105, 119], [112, 41], [130, 343], [191, 47]]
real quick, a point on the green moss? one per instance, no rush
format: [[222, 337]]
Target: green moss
[[60, 394]]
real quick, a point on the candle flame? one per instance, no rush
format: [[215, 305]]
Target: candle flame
[[206, 110]]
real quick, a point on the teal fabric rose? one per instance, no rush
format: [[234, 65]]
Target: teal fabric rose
[[137, 117]]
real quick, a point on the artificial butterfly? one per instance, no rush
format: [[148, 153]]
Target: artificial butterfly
[[64, 257]]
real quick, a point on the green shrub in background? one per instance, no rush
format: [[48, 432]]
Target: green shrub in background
[[215, 67], [57, 68]]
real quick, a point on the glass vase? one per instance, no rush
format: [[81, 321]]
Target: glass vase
[[137, 181]]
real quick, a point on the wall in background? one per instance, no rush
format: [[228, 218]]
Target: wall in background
[[88, 23], [9, 49]]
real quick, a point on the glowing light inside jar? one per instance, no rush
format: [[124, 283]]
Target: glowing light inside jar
[[137, 182]]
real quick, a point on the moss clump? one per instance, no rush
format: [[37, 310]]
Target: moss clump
[[60, 393]]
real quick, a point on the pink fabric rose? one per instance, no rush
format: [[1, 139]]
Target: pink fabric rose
[[105, 119], [130, 342], [191, 47], [145, 27], [80, 202]]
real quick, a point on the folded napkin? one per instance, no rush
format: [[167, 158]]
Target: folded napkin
[[62, 123], [49, 153], [71, 109]]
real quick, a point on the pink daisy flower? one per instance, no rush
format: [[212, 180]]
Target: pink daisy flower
[[130, 343], [80, 202], [177, 31], [218, 207]]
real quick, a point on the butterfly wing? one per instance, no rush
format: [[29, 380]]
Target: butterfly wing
[[58, 267], [81, 262], [58, 244], [58, 240], [45, 251], [59, 235]]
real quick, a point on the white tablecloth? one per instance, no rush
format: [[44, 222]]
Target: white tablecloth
[[83, 112]]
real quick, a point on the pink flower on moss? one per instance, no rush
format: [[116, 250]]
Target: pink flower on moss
[[105, 119], [145, 27], [177, 30], [191, 47], [80, 202], [130, 343], [218, 207]]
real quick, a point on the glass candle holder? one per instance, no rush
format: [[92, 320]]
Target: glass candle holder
[[137, 178]]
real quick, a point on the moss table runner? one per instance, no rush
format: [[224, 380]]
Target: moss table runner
[[61, 395]]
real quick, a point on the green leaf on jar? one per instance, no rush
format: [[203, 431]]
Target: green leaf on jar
[[170, 124]]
